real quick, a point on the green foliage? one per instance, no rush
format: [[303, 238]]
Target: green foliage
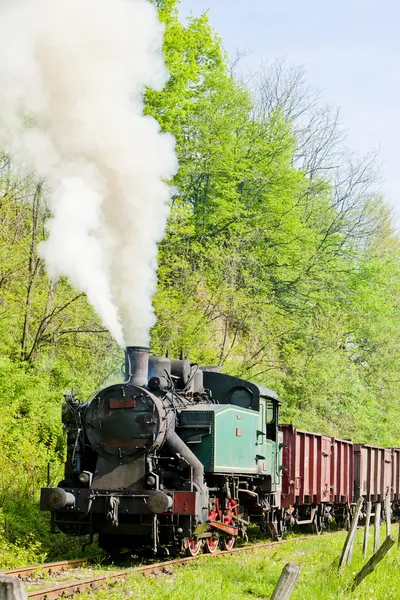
[[20, 550]]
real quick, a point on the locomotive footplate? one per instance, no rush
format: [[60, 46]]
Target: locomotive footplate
[[83, 500], [204, 530]]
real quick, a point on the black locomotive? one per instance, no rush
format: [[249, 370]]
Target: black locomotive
[[176, 457]]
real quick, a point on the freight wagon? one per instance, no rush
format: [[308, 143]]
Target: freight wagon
[[317, 483], [324, 476], [377, 474]]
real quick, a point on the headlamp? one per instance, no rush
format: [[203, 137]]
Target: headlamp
[[85, 477], [151, 481]]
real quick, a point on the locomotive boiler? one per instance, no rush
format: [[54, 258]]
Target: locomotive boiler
[[177, 457]]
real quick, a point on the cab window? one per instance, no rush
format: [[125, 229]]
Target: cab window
[[270, 413], [271, 419]]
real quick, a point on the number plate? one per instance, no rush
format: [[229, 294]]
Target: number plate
[[122, 403]]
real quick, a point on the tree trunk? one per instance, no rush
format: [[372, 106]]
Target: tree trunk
[[33, 267]]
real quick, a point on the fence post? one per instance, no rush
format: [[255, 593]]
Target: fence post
[[287, 581], [388, 514], [366, 531], [12, 588], [373, 561], [377, 526], [348, 545]]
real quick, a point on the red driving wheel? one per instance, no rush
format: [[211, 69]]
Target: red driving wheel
[[210, 545], [228, 542], [193, 547]]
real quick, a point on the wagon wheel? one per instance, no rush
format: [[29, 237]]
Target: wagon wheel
[[274, 528], [347, 520], [227, 542], [193, 547], [210, 545], [317, 523]]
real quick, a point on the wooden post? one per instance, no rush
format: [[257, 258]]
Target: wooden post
[[377, 526], [348, 545], [366, 530], [373, 561], [287, 581], [388, 514], [12, 588]]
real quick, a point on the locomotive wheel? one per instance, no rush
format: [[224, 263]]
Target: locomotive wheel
[[274, 530], [193, 547], [227, 542], [317, 524], [210, 545]]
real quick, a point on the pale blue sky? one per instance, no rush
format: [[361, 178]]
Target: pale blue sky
[[349, 49]]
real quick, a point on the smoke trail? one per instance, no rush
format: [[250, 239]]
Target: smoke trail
[[78, 68]]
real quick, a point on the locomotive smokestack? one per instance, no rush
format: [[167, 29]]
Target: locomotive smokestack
[[137, 365]]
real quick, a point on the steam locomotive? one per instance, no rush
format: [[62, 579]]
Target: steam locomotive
[[176, 458]]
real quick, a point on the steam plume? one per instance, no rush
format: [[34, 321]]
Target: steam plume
[[78, 69]]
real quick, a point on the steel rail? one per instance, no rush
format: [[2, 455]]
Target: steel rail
[[61, 565], [68, 589]]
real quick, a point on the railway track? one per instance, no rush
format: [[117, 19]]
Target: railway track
[[54, 567], [74, 587]]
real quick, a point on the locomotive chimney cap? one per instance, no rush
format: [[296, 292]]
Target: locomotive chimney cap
[[137, 349], [137, 365]]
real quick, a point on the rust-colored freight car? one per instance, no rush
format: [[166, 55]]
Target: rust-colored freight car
[[318, 481], [376, 473], [396, 475]]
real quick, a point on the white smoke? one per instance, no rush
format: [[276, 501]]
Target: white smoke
[[77, 70]]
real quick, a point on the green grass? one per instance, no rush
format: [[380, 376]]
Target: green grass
[[254, 575]]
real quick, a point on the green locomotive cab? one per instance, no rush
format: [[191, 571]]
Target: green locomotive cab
[[237, 440]]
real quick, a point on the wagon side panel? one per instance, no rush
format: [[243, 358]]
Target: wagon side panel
[[343, 482], [289, 464]]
